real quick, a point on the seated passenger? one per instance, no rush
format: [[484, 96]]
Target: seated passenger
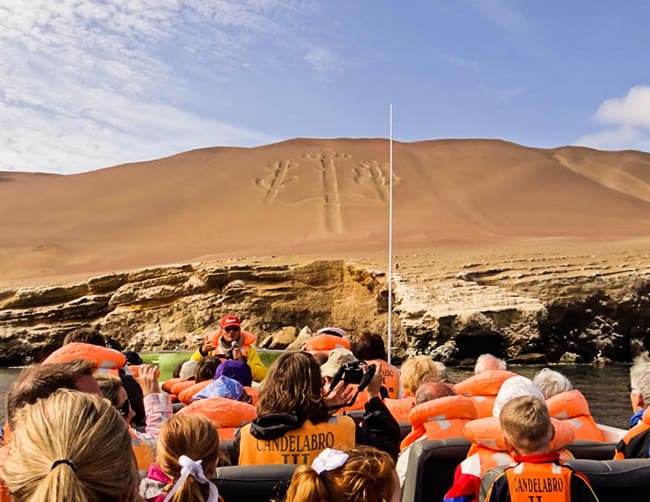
[[483, 388], [370, 348], [186, 458], [438, 414], [537, 472], [361, 474], [489, 448], [294, 423], [230, 342], [70, 446], [486, 362], [326, 340], [636, 443], [414, 372], [568, 404], [336, 360]]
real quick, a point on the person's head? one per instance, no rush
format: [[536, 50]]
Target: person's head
[[237, 370], [206, 369], [362, 474], [70, 446], [369, 347], [293, 385], [337, 358], [429, 391], [516, 386], [188, 370], [113, 390], [419, 369], [85, 335], [640, 383], [486, 362], [551, 382], [230, 328], [41, 380], [195, 437], [526, 425]]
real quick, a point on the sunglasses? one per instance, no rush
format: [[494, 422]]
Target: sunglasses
[[125, 408], [232, 328]]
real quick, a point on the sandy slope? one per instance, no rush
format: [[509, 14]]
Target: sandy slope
[[310, 196]]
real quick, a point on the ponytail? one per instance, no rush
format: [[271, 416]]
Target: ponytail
[[307, 486]]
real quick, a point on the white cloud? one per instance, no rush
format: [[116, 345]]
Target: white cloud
[[90, 83], [630, 110], [629, 119]]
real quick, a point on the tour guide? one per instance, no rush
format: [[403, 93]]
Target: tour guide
[[233, 343]]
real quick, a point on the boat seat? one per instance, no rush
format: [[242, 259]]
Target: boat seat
[[253, 482], [431, 465], [616, 480]]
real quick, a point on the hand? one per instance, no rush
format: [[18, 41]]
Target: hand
[[341, 394], [207, 348], [236, 354], [375, 383], [148, 379]]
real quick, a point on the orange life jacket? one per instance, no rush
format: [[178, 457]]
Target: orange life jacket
[[105, 360], [186, 395], [483, 388], [167, 385], [528, 481], [572, 407], [226, 414], [254, 393], [144, 455], [4, 490], [641, 427], [299, 446], [179, 387], [440, 418], [390, 377], [400, 408], [325, 342]]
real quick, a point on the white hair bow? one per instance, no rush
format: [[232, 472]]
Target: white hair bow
[[192, 468], [329, 459]]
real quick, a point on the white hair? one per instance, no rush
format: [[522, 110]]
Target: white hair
[[551, 382], [487, 362]]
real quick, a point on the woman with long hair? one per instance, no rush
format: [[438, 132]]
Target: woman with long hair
[[70, 446], [295, 419]]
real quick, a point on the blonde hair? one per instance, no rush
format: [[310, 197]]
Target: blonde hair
[[88, 438], [526, 423], [419, 369], [196, 437], [367, 476]]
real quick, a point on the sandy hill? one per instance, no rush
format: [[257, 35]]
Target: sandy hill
[[312, 196]]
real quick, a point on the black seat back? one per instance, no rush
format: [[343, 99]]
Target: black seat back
[[246, 483], [616, 480], [592, 450], [431, 466]]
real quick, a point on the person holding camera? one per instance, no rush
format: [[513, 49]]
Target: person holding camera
[[231, 342], [296, 421]]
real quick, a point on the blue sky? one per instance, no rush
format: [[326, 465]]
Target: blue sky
[[86, 84]]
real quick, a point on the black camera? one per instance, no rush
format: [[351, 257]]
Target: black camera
[[356, 372]]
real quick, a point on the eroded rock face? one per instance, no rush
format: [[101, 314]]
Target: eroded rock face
[[176, 307], [538, 309]]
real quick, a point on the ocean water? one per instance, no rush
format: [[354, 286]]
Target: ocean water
[[605, 388]]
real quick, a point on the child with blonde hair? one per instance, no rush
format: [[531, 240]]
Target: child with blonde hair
[[537, 473], [363, 474], [70, 446], [186, 457]]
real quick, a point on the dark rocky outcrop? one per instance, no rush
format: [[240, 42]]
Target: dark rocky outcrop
[[535, 309]]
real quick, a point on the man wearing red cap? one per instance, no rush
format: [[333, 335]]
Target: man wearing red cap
[[232, 343]]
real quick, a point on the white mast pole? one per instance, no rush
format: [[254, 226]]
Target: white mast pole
[[390, 234]]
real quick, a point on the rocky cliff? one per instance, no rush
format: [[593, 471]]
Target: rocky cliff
[[536, 308]]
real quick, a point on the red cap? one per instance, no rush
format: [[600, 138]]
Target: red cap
[[230, 320]]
